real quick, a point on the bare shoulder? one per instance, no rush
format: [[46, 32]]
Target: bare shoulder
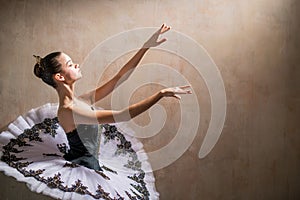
[[77, 112], [86, 98]]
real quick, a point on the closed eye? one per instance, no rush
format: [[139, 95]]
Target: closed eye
[[69, 63]]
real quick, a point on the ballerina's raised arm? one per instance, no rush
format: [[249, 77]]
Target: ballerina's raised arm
[[97, 94], [58, 70]]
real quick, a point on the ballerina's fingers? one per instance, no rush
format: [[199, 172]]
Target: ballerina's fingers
[[177, 96], [161, 41], [185, 86], [164, 28], [154, 40], [183, 89]]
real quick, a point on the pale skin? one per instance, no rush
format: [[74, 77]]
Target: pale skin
[[78, 109]]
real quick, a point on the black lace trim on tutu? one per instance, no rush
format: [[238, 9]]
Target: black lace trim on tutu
[[49, 126], [111, 133]]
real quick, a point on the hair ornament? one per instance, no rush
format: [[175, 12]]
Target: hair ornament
[[38, 61]]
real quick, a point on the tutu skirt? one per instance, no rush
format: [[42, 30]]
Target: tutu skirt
[[33, 150]]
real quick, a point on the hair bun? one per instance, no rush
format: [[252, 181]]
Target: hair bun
[[38, 68]]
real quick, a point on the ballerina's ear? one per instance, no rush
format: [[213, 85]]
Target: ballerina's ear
[[59, 77]]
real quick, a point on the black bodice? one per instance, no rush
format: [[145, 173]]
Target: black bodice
[[78, 153]]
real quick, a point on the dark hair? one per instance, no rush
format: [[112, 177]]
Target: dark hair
[[46, 67]]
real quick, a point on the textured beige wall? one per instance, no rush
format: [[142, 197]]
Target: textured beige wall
[[255, 45]]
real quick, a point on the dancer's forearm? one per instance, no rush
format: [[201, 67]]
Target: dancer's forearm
[[127, 69], [138, 108], [88, 116], [102, 91]]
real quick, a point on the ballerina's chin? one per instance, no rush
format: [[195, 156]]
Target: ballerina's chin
[[73, 150]]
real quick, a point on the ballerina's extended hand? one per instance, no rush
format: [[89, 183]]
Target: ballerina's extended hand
[[153, 40], [174, 91]]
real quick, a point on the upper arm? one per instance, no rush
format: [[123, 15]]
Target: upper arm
[[87, 97], [88, 116]]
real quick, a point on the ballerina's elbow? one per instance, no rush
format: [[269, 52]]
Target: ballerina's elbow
[[122, 115], [110, 116]]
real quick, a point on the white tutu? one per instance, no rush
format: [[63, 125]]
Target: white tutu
[[32, 152]]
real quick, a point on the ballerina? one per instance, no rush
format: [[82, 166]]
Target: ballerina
[[76, 114]]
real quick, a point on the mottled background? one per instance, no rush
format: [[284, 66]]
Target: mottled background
[[255, 45]]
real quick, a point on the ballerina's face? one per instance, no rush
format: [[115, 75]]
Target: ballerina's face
[[70, 70]]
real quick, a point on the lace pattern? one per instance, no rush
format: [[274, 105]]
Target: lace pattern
[[19, 154]]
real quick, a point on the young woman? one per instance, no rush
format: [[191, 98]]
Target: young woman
[[58, 70], [74, 113]]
